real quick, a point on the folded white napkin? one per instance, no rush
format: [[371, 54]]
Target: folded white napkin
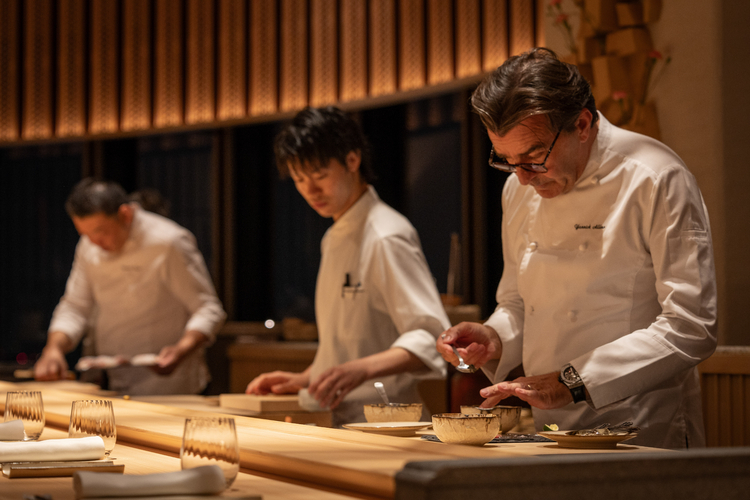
[[11, 431], [206, 480], [53, 450]]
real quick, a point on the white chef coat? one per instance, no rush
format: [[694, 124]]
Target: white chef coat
[[617, 278], [147, 296], [390, 301]]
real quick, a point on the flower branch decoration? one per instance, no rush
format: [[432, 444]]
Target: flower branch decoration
[[561, 21], [652, 75]]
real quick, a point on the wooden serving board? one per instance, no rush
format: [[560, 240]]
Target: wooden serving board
[[261, 404]]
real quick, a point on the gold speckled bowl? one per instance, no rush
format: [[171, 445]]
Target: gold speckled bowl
[[509, 415], [458, 428], [393, 413]]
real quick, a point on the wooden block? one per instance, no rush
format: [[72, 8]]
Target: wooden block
[[637, 65], [601, 14], [651, 11], [645, 121], [629, 14], [610, 75], [261, 404], [629, 41], [587, 72], [588, 49]]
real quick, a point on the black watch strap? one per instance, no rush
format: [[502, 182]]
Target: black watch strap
[[578, 393]]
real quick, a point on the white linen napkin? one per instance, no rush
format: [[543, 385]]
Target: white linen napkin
[[53, 450], [205, 480], [11, 431]]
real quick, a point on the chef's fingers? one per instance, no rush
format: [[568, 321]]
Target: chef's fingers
[[496, 392]]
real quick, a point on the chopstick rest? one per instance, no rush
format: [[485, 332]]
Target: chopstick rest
[[11, 431], [205, 480], [53, 450]]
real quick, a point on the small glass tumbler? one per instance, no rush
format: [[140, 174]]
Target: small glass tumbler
[[211, 441], [94, 417], [26, 406]]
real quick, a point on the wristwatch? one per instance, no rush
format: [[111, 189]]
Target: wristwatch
[[569, 376]]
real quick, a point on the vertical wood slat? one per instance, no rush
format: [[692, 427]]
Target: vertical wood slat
[[468, 38], [495, 32], [104, 77], [383, 69], [231, 91], [136, 65], [36, 122], [411, 45], [200, 97], [725, 388], [440, 41], [263, 78], [71, 69], [168, 64], [293, 74], [353, 49], [323, 52], [10, 125], [522, 26]]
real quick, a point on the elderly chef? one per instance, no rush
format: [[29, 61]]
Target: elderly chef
[[149, 284], [377, 309], [608, 294]]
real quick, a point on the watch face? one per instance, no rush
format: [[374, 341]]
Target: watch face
[[570, 376]]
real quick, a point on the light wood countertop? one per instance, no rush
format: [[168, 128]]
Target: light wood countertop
[[341, 460]]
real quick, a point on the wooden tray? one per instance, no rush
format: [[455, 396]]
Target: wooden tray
[[261, 404], [59, 469]]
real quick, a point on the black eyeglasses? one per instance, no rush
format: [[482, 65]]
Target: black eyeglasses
[[536, 168]]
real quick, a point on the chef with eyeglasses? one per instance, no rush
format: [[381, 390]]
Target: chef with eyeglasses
[[608, 292]]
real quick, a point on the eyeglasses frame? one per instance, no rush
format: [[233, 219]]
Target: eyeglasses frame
[[534, 168]]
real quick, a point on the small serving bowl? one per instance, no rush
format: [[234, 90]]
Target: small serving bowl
[[394, 412], [509, 415], [459, 428]]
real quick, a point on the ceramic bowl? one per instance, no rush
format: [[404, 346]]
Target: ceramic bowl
[[393, 413], [509, 415], [458, 428]]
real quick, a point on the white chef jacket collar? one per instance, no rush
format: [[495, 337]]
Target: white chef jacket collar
[[136, 230], [597, 149], [353, 217]]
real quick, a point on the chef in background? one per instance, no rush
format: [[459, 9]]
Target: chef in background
[[147, 279], [377, 309], [608, 293]]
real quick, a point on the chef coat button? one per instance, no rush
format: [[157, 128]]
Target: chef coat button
[[572, 315], [531, 309], [595, 179], [533, 246], [583, 246]]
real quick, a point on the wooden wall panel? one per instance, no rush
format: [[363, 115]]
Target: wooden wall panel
[[71, 68], [9, 62], [104, 62], [231, 91], [468, 38], [78, 67], [382, 48], [136, 65], [353, 50], [522, 26], [440, 42], [323, 52], [36, 121], [263, 78], [200, 97], [411, 45], [495, 32], [293, 74], [168, 64]]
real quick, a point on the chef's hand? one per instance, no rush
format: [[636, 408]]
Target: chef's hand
[[172, 355], [476, 343], [52, 365], [541, 391], [278, 382], [333, 384]]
